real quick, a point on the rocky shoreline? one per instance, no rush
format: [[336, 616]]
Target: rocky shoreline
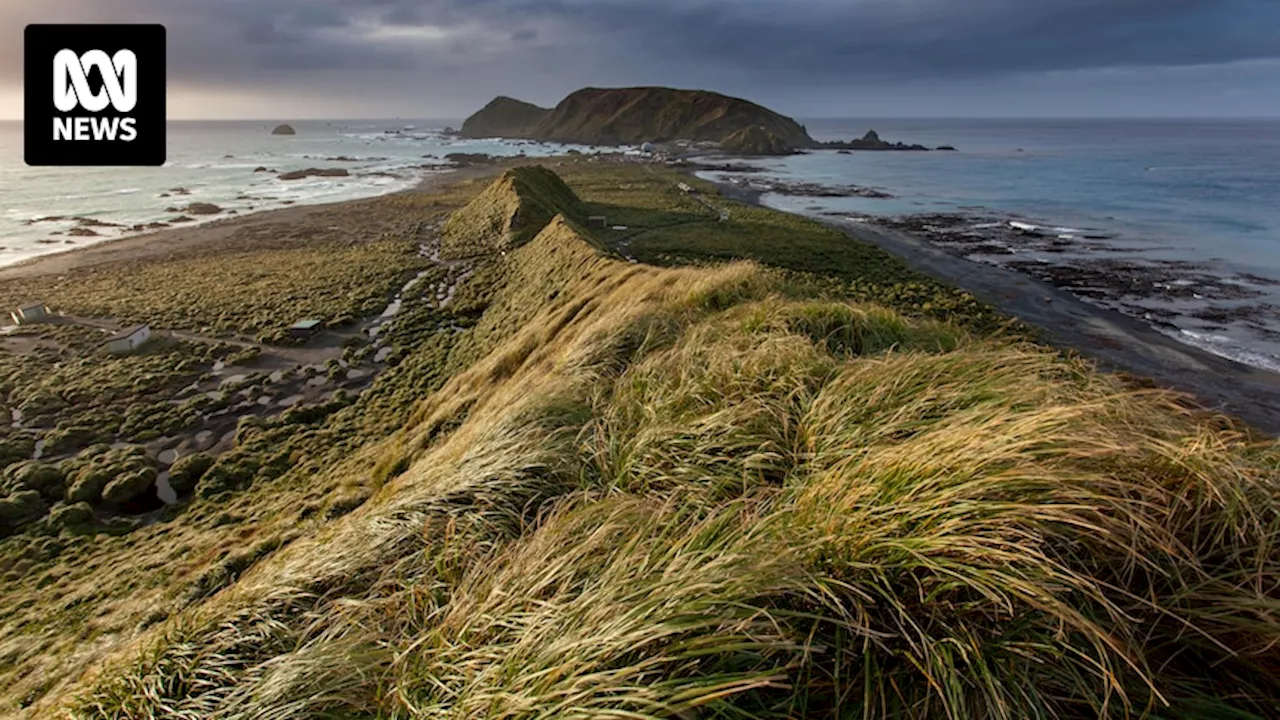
[[1115, 310], [1084, 263], [1093, 265], [805, 189]]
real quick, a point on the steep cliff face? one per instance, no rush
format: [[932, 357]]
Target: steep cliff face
[[504, 117], [615, 116]]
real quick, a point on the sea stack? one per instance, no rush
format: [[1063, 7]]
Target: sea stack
[[284, 130]]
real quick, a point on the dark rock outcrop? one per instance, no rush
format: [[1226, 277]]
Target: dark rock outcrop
[[314, 172], [284, 130], [870, 141], [470, 159]]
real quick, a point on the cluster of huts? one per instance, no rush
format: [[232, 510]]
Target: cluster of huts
[[123, 342]]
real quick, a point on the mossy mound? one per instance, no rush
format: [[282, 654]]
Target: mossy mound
[[187, 471], [44, 478], [111, 475], [756, 140], [20, 508], [509, 213]]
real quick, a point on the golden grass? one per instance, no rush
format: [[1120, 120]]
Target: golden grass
[[653, 492], [651, 510]]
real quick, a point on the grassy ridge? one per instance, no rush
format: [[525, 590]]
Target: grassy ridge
[[687, 488], [503, 117], [509, 213]]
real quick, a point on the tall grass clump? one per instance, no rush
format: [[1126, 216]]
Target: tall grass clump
[[615, 607], [679, 493], [1020, 539]]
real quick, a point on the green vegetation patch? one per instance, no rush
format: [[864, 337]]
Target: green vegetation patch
[[792, 487], [253, 292], [614, 116], [755, 140], [509, 213]]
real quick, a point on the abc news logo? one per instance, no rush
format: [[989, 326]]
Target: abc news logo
[[71, 90], [95, 95]]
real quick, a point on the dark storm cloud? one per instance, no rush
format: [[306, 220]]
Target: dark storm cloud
[[264, 42], [927, 38]]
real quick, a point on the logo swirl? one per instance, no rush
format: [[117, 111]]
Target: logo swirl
[[119, 81]]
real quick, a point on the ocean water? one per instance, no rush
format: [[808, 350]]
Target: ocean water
[[1199, 196], [215, 162]]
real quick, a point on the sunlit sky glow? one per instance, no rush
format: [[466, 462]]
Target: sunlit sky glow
[[809, 58]]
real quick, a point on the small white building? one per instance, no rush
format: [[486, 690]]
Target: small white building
[[129, 339], [30, 313]]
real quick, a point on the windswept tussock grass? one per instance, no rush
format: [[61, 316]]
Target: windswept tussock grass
[[721, 492], [758, 516]]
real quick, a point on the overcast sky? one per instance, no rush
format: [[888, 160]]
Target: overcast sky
[[808, 58]]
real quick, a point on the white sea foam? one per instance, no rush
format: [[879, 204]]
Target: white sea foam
[[198, 162], [1228, 348]]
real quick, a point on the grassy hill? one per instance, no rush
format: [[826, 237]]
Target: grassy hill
[[616, 116], [504, 117], [765, 471], [755, 140], [509, 213]]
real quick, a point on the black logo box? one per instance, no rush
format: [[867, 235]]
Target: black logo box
[[42, 43]]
